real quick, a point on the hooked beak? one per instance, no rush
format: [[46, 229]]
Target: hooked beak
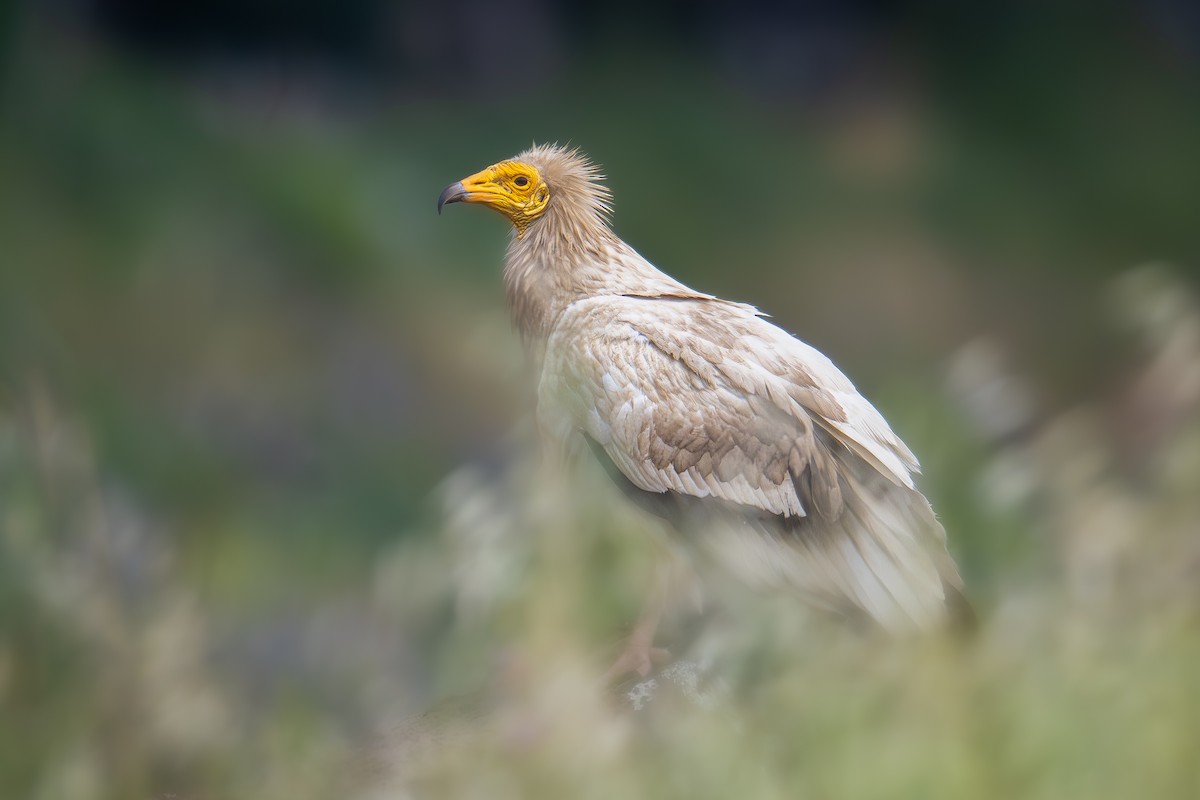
[[454, 193]]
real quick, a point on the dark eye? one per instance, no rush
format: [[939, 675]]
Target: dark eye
[[521, 180]]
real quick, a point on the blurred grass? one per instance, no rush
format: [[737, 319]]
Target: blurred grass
[[238, 352]]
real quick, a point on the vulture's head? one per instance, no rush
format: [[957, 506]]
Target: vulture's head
[[531, 184]]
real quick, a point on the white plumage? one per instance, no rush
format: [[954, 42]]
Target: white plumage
[[758, 449]]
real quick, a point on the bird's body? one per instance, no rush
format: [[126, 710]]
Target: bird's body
[[757, 448]]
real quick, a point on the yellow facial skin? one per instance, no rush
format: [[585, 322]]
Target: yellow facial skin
[[513, 188]]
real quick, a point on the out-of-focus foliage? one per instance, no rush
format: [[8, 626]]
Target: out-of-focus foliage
[[268, 526]]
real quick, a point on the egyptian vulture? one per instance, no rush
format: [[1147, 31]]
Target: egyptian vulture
[[751, 442]]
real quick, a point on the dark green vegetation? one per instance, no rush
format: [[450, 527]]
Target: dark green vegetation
[[239, 355]]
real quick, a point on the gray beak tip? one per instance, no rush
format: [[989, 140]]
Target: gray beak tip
[[454, 193]]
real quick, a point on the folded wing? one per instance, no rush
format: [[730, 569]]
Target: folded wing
[[760, 434]]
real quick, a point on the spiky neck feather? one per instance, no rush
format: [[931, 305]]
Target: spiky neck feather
[[569, 253]]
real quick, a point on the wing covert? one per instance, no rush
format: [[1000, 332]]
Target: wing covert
[[698, 397]]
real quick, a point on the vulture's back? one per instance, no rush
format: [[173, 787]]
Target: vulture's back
[[757, 448]]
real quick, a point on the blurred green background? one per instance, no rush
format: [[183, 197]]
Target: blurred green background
[[239, 352]]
